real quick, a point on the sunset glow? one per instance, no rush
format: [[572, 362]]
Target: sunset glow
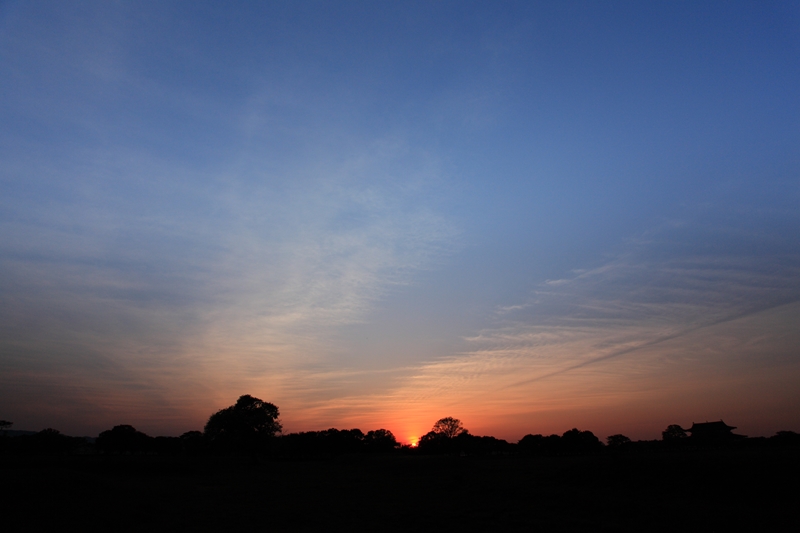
[[528, 216]]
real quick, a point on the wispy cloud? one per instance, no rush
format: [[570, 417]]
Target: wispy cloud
[[244, 286], [213, 246], [654, 314]]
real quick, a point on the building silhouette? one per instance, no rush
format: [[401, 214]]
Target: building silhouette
[[713, 432]]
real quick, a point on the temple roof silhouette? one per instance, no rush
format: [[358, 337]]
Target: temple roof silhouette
[[713, 430]]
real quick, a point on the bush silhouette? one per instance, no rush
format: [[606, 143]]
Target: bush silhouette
[[123, 439]]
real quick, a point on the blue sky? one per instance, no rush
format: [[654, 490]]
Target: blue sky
[[530, 216]]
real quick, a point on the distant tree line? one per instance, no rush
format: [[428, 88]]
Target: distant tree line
[[251, 427]]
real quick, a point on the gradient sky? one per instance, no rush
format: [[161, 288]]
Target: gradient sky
[[530, 216]]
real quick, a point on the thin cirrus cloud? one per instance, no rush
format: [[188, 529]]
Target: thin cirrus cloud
[[381, 215], [169, 302], [166, 247], [643, 328]]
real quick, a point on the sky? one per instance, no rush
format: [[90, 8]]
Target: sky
[[530, 216]]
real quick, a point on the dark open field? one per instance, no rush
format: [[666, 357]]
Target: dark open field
[[714, 490]]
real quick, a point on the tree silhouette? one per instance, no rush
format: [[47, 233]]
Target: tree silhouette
[[193, 442], [340, 441], [442, 437], [448, 427], [243, 425], [380, 440], [788, 438], [467, 444], [539, 444], [673, 433], [617, 441], [123, 439], [576, 441], [432, 442]]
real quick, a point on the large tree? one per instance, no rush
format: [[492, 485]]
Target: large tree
[[243, 424], [448, 427], [380, 440], [673, 433]]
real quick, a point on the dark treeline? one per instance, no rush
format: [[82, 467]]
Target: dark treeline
[[251, 426], [242, 472]]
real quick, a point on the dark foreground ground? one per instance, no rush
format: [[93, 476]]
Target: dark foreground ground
[[704, 490]]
